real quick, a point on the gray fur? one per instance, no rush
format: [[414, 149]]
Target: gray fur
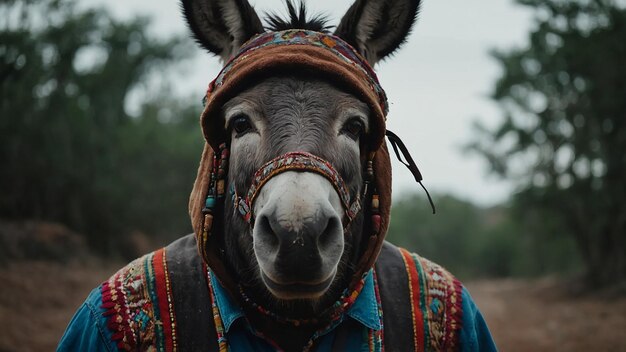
[[297, 114], [378, 28], [221, 26]]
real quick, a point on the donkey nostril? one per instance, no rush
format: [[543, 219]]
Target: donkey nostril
[[265, 229], [329, 235]]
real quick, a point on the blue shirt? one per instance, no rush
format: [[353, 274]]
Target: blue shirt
[[88, 330], [241, 337]]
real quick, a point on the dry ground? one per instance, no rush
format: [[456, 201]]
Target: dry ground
[[544, 315], [37, 299]]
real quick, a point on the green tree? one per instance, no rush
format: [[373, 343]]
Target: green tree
[[446, 238], [563, 137], [475, 242], [69, 150]]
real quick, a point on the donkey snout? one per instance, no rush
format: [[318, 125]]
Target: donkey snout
[[300, 243], [298, 233]]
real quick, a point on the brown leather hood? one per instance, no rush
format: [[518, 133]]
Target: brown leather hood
[[252, 65]]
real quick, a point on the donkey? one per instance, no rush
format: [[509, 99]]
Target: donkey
[[290, 206]]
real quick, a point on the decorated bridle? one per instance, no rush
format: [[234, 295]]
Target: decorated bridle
[[296, 161], [292, 161]]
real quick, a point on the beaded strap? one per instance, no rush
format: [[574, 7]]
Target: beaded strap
[[215, 196], [296, 161], [222, 342]]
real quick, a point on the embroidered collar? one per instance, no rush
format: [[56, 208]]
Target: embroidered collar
[[364, 310]]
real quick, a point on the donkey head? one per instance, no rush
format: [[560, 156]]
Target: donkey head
[[300, 246]]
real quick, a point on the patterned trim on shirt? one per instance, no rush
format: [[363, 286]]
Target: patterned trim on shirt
[[222, 342], [436, 304], [444, 306], [138, 305]]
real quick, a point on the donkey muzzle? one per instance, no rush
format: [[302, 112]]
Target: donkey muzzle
[[301, 207]]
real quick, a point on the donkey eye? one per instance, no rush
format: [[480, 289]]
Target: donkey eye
[[241, 124], [354, 128]]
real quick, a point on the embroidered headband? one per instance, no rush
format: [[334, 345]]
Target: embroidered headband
[[332, 43]]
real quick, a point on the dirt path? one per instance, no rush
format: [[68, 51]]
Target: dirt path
[[37, 300], [541, 316]]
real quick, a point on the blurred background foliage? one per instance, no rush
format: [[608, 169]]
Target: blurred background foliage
[[75, 151], [482, 242], [71, 152], [563, 136]]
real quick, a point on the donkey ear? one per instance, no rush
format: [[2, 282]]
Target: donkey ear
[[376, 28], [221, 26]]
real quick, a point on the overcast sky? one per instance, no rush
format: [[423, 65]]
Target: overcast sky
[[437, 84]]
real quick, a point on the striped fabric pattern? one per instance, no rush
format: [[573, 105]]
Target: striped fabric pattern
[[138, 305], [436, 304]]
